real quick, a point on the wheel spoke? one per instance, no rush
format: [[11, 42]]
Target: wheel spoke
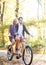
[[9, 55], [27, 55]]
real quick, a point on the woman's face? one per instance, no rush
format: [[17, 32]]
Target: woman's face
[[15, 22]]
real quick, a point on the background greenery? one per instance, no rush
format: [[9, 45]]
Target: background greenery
[[6, 19]]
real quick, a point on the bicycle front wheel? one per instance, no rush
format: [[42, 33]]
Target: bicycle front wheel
[[27, 55]]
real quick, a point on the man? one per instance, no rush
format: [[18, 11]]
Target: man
[[20, 34]]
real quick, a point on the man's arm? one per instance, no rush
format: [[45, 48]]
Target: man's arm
[[26, 30]]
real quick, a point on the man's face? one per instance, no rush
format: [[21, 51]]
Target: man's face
[[20, 20]]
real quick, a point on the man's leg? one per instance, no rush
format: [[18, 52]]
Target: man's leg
[[17, 42], [23, 44]]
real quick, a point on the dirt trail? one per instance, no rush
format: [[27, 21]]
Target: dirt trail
[[4, 61], [38, 59]]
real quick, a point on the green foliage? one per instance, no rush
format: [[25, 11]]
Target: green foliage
[[38, 43], [3, 27], [30, 22], [1, 44]]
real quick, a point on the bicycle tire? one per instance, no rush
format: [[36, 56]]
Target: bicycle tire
[[31, 55]]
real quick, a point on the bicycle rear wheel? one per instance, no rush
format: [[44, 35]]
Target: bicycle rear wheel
[[9, 54], [27, 55]]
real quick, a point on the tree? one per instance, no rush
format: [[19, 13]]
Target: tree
[[0, 12], [17, 8], [2, 23], [44, 6]]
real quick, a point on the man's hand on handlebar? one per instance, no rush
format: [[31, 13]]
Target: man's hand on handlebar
[[30, 35]]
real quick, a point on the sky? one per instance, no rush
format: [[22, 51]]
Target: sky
[[30, 9]]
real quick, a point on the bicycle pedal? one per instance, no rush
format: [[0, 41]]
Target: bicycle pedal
[[17, 57]]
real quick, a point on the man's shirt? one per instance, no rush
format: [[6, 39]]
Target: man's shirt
[[20, 29]]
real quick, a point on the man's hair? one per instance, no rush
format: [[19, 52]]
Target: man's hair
[[20, 17]]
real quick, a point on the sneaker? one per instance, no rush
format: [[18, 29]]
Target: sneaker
[[19, 56]]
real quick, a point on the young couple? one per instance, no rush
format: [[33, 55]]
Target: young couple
[[16, 32]]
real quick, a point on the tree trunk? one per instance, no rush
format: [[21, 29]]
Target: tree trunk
[[38, 10], [17, 8], [2, 24]]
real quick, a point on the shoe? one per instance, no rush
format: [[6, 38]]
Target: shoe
[[18, 57]]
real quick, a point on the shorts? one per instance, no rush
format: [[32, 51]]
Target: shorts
[[20, 36], [12, 39]]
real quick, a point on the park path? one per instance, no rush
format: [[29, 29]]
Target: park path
[[38, 59]]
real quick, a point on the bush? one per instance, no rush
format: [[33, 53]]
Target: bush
[[1, 44]]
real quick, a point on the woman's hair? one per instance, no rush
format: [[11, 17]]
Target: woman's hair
[[14, 20]]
